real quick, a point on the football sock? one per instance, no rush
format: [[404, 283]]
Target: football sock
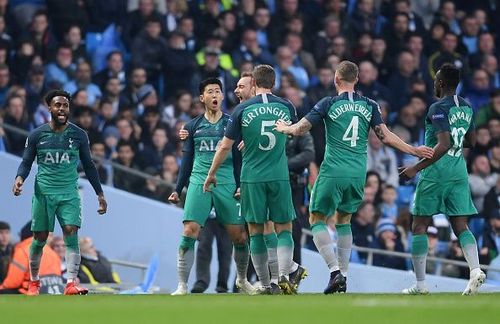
[[271, 240], [344, 245], [241, 258], [36, 251], [324, 244], [73, 257], [294, 266], [259, 258], [285, 252], [419, 249], [469, 247], [185, 258]]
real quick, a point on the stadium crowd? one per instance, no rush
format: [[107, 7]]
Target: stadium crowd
[[133, 68]]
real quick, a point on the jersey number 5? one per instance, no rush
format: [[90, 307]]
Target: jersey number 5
[[351, 133], [269, 135], [458, 139]]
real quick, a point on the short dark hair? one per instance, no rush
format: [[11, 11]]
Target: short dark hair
[[56, 93], [4, 226], [113, 52], [450, 75], [348, 71], [203, 84], [264, 76], [123, 143], [246, 74]]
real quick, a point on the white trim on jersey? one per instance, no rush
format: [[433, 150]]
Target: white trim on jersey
[[350, 95], [455, 98], [264, 98]]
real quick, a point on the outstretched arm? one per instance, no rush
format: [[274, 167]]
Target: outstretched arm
[[443, 145], [224, 147], [298, 129], [92, 175], [24, 169], [389, 138]]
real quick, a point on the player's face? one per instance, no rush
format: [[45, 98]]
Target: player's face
[[59, 110], [212, 97], [244, 89]]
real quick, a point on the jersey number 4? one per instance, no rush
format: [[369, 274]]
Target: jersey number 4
[[268, 134], [458, 139], [351, 133]]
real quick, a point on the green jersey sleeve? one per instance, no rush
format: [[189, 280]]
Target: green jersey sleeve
[[438, 117], [319, 111]]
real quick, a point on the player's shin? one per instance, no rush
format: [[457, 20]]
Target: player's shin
[[258, 252], [469, 248], [419, 249], [285, 252], [73, 257], [241, 258], [271, 240], [324, 244], [185, 258], [36, 251], [344, 246]]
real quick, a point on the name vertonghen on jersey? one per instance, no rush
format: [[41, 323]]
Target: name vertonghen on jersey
[[350, 107], [256, 112]]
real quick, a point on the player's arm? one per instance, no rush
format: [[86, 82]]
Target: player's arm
[[237, 161], [24, 169], [185, 169], [390, 139], [470, 137], [443, 145], [314, 117], [91, 173], [220, 156]]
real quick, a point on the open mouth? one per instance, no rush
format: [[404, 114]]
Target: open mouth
[[62, 117], [214, 102]]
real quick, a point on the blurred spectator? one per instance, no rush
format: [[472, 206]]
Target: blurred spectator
[[387, 239], [114, 69], [56, 243], [363, 227], [415, 22], [250, 50], [65, 14], [301, 57], [94, 267], [83, 80], [447, 14], [17, 116], [150, 121], [6, 248], [265, 34], [368, 85], [136, 20], [491, 204], [481, 180], [41, 35], [103, 13], [179, 110], [62, 70], [489, 64], [380, 59], [186, 28], [73, 38], [382, 159], [400, 80], [84, 118], [228, 30], [152, 186], [495, 157], [129, 95], [396, 34], [366, 19], [175, 9], [490, 240], [470, 32], [388, 208], [122, 179], [214, 41], [18, 273], [161, 145], [104, 170], [170, 168], [494, 128], [284, 58], [149, 50], [486, 46], [447, 54], [483, 144], [478, 92], [4, 82], [432, 234]]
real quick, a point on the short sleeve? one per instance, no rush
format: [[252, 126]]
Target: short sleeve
[[233, 129], [293, 112], [319, 111], [438, 118], [376, 114]]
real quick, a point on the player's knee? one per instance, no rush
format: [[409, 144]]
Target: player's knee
[[316, 218], [41, 236], [69, 230], [191, 229]]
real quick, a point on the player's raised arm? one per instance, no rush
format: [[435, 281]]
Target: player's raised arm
[[24, 169], [185, 169], [314, 117], [220, 156], [91, 173]]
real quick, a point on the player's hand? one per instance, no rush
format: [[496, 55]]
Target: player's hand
[[280, 126], [241, 146], [174, 198], [103, 205], [183, 134], [237, 194], [17, 188], [208, 181], [407, 173], [424, 152]]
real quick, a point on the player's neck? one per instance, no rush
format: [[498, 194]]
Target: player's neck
[[213, 116], [345, 89], [448, 93], [57, 128], [259, 91]]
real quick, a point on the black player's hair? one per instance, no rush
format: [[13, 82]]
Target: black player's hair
[[450, 75], [56, 93], [203, 84]]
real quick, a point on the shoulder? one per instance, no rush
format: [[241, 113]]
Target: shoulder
[[464, 102], [39, 130], [325, 102], [193, 123], [77, 130]]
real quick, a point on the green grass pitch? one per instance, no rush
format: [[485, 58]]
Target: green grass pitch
[[228, 308]]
